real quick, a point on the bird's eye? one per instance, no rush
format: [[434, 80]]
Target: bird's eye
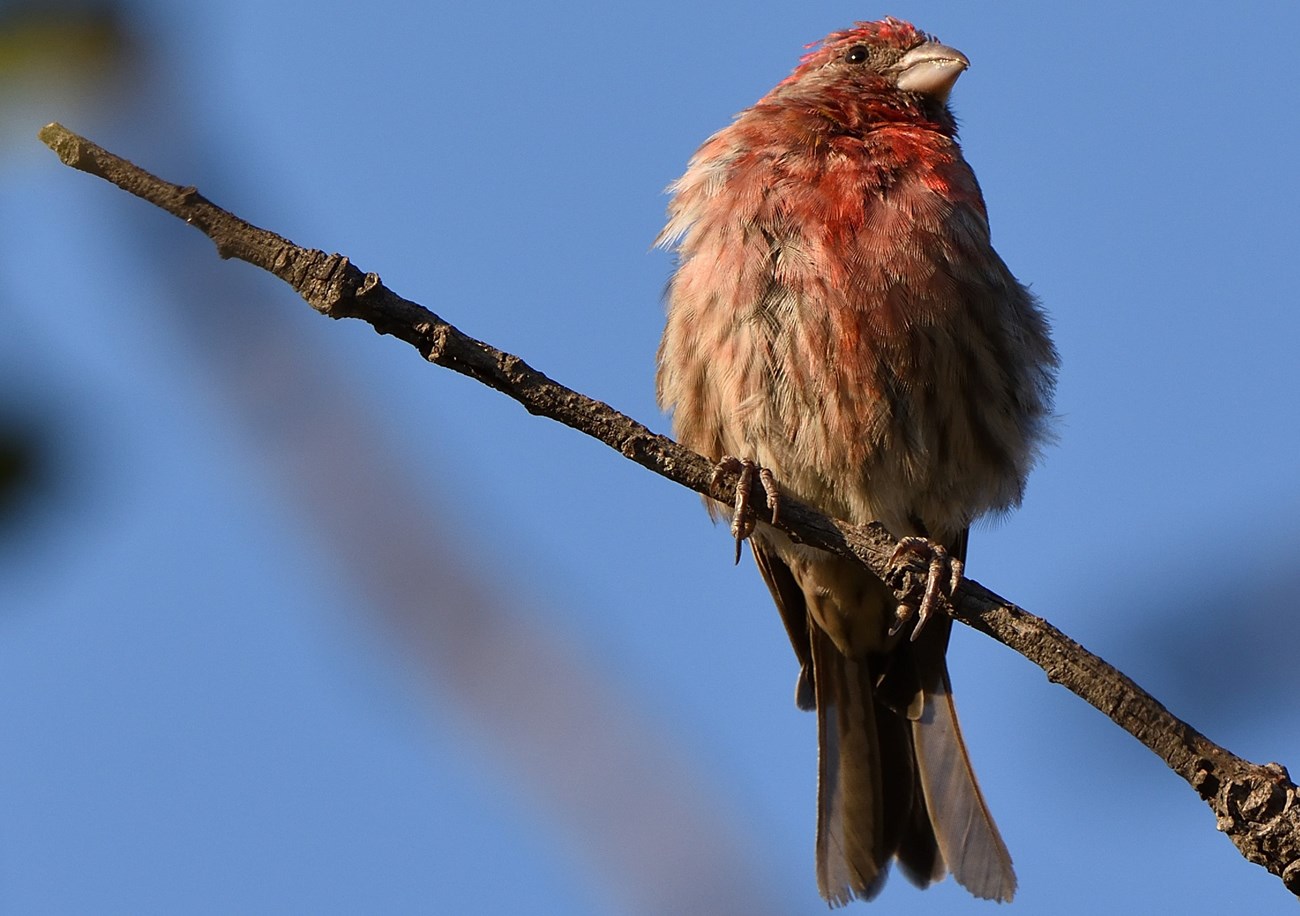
[[858, 54]]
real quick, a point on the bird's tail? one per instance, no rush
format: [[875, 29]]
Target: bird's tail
[[967, 836], [894, 779], [865, 787]]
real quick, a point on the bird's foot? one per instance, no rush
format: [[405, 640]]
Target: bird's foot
[[942, 572], [742, 516]]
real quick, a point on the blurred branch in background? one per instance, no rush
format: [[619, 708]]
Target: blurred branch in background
[[642, 815], [23, 466], [646, 818], [61, 52], [1255, 805], [1224, 669]]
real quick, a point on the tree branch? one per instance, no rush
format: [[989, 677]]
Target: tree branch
[[1256, 805]]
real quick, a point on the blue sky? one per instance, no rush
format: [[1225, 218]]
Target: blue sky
[[297, 623]]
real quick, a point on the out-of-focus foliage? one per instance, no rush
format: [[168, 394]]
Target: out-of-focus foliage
[[76, 42]]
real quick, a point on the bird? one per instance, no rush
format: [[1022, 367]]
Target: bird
[[839, 322]]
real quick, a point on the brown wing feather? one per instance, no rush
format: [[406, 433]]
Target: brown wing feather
[[794, 614]]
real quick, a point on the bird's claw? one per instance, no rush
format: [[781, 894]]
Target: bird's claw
[[943, 573], [742, 516]]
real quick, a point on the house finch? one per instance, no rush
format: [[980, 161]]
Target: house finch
[[839, 318]]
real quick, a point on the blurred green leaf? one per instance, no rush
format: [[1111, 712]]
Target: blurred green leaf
[[68, 41]]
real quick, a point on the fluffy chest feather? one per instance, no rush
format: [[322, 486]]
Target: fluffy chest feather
[[839, 315]]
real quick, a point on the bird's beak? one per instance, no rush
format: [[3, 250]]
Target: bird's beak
[[930, 69]]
